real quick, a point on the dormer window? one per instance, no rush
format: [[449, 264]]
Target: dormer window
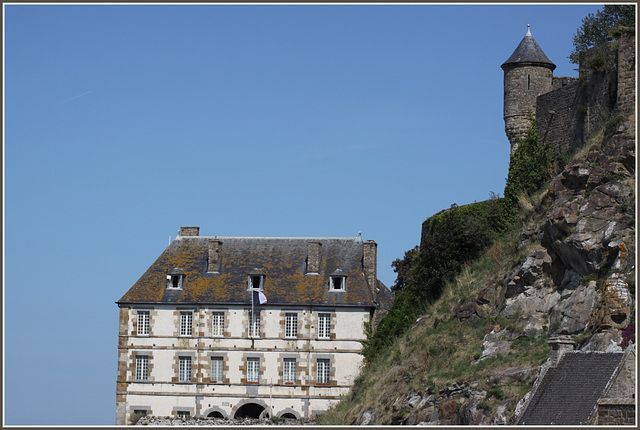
[[337, 281], [256, 281], [175, 279]]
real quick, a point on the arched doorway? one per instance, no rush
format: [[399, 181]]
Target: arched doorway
[[249, 410], [288, 416], [215, 414]]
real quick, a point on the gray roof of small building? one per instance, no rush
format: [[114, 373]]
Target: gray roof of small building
[[529, 52], [569, 392]]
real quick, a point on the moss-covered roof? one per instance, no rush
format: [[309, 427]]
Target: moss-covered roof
[[283, 262]]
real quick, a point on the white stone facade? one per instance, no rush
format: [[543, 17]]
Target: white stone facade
[[185, 346], [159, 391]]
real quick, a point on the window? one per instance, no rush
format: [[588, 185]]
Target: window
[[323, 371], [338, 283], [289, 373], [291, 325], [324, 326], [217, 364], [183, 414], [186, 320], [175, 281], [184, 369], [143, 322], [218, 324], [254, 324], [142, 367], [256, 282], [140, 412], [253, 370]]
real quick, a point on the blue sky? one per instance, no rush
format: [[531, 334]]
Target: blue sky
[[124, 122]]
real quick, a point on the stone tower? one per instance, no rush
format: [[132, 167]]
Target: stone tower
[[528, 73]]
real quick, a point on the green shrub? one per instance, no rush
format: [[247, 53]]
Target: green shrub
[[453, 237], [529, 169], [611, 126], [496, 392], [598, 63]]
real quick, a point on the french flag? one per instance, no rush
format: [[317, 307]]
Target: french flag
[[259, 298]]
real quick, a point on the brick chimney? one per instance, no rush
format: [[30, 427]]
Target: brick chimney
[[370, 263], [558, 345], [214, 260], [189, 231], [314, 253]]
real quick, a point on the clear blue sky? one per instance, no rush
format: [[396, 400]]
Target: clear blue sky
[[124, 122]]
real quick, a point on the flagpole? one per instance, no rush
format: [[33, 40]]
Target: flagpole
[[252, 324]]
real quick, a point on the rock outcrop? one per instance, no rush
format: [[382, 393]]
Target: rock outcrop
[[588, 234]]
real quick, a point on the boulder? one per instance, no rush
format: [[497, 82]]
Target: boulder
[[448, 413], [368, 417], [613, 304], [571, 314], [471, 415], [501, 415]]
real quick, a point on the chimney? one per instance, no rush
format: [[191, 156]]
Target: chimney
[[314, 253], [213, 262], [558, 345], [189, 231], [370, 263]]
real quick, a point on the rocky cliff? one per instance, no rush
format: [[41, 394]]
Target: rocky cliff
[[575, 279]]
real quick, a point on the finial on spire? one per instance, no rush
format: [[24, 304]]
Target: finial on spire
[[528, 30]]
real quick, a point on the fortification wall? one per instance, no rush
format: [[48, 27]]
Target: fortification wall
[[579, 107], [562, 81], [558, 119], [627, 73]]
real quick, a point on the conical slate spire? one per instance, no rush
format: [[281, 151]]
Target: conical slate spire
[[529, 52]]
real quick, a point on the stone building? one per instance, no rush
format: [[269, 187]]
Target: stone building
[[582, 388], [567, 109], [528, 73], [246, 327]]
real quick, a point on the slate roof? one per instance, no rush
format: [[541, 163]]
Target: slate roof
[[283, 261], [529, 52], [569, 392]]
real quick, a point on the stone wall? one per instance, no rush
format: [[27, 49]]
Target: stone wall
[[627, 73], [616, 414], [562, 81], [578, 107], [618, 406], [169, 421], [568, 115], [599, 81], [558, 118]]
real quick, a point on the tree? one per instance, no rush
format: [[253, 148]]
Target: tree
[[403, 268], [601, 27]]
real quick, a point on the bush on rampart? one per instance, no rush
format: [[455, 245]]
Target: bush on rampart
[[452, 238]]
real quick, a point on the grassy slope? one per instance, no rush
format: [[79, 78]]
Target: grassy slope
[[428, 356]]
